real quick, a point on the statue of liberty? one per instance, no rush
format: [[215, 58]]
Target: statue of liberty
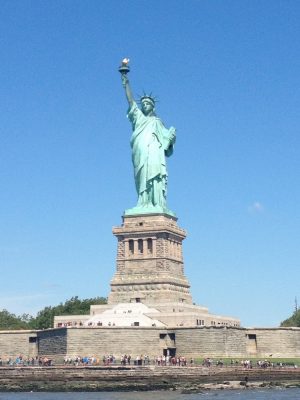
[[151, 142]]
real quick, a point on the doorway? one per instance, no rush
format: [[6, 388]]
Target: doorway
[[170, 351]]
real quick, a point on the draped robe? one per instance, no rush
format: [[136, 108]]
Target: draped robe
[[151, 143]]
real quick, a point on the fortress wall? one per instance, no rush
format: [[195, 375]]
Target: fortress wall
[[238, 342], [280, 342], [53, 343], [210, 342], [190, 342], [15, 343], [117, 341]]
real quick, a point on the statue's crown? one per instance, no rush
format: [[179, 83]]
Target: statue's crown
[[148, 97]]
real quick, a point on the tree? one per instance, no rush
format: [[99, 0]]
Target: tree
[[294, 320], [11, 321], [73, 306], [45, 317]]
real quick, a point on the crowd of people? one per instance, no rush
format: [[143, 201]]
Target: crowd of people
[[248, 364], [208, 362], [178, 361], [127, 359], [139, 360], [20, 361]]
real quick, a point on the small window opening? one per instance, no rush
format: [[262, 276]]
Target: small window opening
[[149, 246], [140, 246], [252, 336], [131, 246]]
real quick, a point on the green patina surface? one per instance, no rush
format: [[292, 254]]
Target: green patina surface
[[151, 143]]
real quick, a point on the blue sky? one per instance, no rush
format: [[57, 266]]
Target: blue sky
[[227, 75]]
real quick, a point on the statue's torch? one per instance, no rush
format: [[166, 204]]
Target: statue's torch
[[124, 67]]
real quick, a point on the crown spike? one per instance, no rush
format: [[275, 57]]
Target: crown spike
[[149, 97]]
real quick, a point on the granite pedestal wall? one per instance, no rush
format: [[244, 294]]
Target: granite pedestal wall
[[149, 270], [149, 261]]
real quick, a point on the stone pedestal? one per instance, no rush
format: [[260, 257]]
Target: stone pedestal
[[149, 288], [149, 261]]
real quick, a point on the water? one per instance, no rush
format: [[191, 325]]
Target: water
[[268, 394]]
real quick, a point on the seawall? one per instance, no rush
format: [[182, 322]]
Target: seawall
[[119, 378]]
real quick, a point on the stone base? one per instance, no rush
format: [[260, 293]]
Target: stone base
[[148, 210], [149, 288], [167, 314], [149, 261]]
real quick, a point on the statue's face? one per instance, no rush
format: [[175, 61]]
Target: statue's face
[[147, 107]]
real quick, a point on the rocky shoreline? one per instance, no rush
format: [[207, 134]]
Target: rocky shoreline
[[115, 378]]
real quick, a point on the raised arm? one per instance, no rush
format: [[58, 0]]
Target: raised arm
[[128, 92]]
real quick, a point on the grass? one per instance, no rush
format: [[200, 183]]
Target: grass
[[227, 361]]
